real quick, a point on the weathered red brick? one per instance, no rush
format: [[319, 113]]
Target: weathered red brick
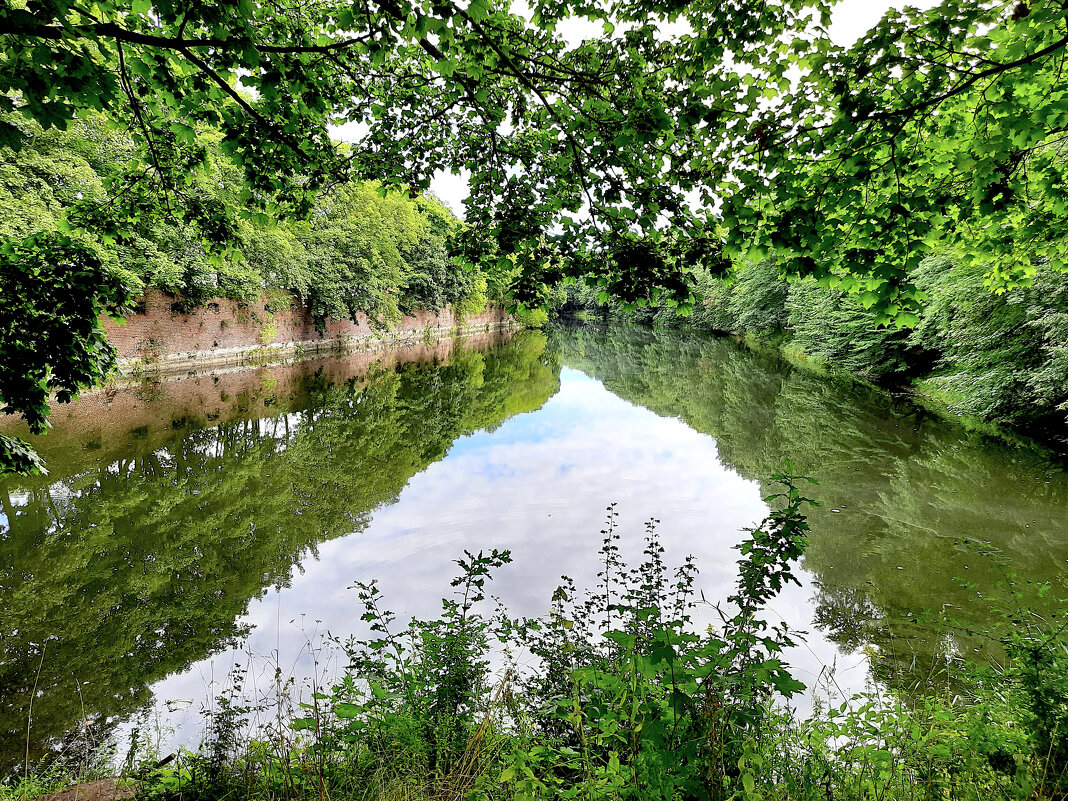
[[223, 327]]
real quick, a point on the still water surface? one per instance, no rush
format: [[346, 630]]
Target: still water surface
[[189, 522]]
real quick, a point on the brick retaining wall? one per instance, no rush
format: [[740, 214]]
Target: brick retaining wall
[[160, 338]]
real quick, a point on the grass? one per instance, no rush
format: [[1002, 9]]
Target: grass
[[56, 775], [39, 783]]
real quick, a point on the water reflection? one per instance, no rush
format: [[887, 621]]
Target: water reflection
[[125, 567], [184, 514], [899, 488], [538, 485]]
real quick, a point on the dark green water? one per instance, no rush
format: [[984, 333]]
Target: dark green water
[[183, 516]]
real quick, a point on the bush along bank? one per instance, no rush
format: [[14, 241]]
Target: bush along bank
[[360, 250], [1000, 359], [615, 694]]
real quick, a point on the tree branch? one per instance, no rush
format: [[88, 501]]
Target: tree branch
[[110, 30]]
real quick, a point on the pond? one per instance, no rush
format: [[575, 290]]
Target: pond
[[196, 523]]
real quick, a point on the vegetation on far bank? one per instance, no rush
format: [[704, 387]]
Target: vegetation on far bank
[[361, 249], [997, 358]]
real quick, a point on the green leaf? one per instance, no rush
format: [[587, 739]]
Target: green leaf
[[749, 783], [347, 711]]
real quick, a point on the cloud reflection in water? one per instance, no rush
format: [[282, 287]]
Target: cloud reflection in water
[[538, 485]]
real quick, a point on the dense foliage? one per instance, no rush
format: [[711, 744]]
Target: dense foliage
[[1000, 358], [936, 126], [363, 249], [51, 293]]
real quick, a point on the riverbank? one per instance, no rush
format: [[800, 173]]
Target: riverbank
[[1001, 359], [164, 336], [923, 392]]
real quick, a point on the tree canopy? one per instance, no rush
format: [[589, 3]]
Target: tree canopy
[[936, 127], [700, 132]]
